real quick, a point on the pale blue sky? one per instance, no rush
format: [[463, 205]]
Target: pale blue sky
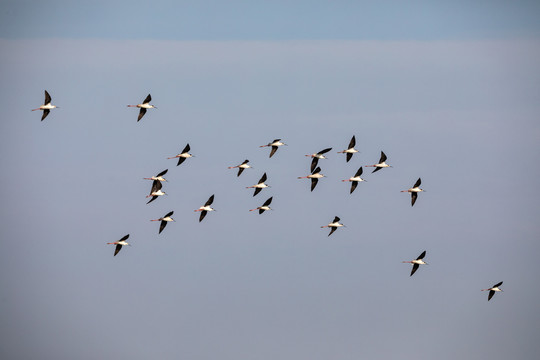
[[448, 91]]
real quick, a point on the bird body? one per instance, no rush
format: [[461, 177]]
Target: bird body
[[119, 244], [46, 107], [144, 106]]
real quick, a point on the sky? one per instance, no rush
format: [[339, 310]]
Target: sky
[[448, 90]]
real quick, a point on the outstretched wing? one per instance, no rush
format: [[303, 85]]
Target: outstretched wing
[[383, 157], [273, 151], [336, 219], [376, 169], [317, 170], [359, 172], [414, 195], [162, 226], [47, 98], [257, 190], [141, 113], [417, 183], [491, 293], [156, 185], [349, 156], [352, 142], [169, 214], [324, 151], [421, 255], [148, 99], [263, 178], [314, 182], [186, 149], [268, 201], [240, 171], [497, 285], [203, 214], [209, 201], [414, 268], [117, 249], [45, 113], [314, 163], [124, 238], [152, 199], [354, 184], [162, 173], [332, 229]]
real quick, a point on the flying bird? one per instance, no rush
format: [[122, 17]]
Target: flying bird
[[183, 155], [206, 207], [493, 289], [382, 163], [416, 263], [119, 244], [46, 107], [317, 156], [241, 167], [333, 225], [260, 185], [155, 191], [264, 206], [144, 106], [355, 179], [164, 220], [274, 144], [414, 191], [314, 176], [350, 150]]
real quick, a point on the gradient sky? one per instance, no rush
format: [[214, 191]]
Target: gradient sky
[[448, 90]]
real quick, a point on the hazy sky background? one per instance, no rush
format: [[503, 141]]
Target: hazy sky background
[[448, 90]]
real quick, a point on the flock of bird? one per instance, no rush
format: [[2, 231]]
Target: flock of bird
[[314, 176]]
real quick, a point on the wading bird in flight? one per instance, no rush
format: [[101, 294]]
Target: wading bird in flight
[[46, 107], [144, 106], [260, 185], [314, 176], [265, 206], [416, 263], [333, 225], [493, 289], [382, 163], [414, 191], [119, 244], [317, 156], [274, 144], [355, 179], [164, 220], [183, 155], [241, 167], [206, 207], [350, 150]]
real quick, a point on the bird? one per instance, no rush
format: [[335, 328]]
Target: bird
[[381, 164], [350, 150], [206, 207], [414, 191], [144, 106], [416, 263], [264, 206], [355, 179], [314, 176], [333, 225], [183, 155], [47, 106], [260, 185], [241, 167], [164, 220], [318, 156], [119, 244], [158, 177], [155, 191], [274, 144], [493, 289]]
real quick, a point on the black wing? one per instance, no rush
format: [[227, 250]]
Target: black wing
[[314, 163], [414, 195], [376, 169], [203, 214], [162, 173], [332, 229], [47, 98], [186, 149], [162, 226], [240, 171], [156, 185], [352, 142], [354, 184], [245, 162], [141, 113], [317, 170], [124, 238], [152, 199], [261, 211], [497, 285], [336, 219], [169, 214], [417, 183], [273, 151], [421, 255], [383, 157], [148, 99], [268, 201], [180, 160], [45, 113], [209, 201], [349, 156], [117, 250], [324, 151], [263, 178], [257, 190], [491, 293], [314, 183], [414, 268], [275, 140], [359, 172]]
